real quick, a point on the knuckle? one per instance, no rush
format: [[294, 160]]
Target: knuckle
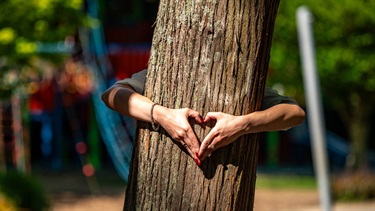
[[205, 144], [181, 134], [215, 133], [185, 128], [176, 137], [186, 145]]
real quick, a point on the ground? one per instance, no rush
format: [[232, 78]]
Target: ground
[[71, 191]]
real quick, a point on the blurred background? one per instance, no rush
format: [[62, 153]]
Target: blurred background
[[61, 148]]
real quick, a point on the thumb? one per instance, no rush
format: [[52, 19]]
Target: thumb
[[211, 116], [205, 143]]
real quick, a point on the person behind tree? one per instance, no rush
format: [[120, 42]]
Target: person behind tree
[[277, 113]]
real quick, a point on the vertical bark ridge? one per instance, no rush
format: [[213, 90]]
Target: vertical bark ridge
[[210, 56]]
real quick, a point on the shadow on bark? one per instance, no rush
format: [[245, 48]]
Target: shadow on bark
[[218, 158]]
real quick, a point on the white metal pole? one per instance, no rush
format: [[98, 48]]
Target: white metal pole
[[314, 105]]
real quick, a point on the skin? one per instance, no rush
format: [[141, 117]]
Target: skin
[[126, 101], [227, 128]]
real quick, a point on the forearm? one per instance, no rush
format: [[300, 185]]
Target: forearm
[[126, 101], [278, 117]]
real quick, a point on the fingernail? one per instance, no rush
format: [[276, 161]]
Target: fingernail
[[196, 154], [197, 161]]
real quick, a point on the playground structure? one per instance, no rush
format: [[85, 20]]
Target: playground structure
[[108, 62]]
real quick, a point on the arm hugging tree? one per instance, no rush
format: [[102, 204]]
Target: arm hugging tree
[[207, 56]]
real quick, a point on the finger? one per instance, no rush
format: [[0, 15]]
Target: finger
[[196, 115], [192, 145], [193, 142], [210, 116], [193, 154], [198, 118], [210, 149], [205, 144]]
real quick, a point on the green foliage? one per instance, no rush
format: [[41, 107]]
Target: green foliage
[[344, 35], [25, 26], [24, 190], [344, 40]]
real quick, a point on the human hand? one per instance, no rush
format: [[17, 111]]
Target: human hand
[[175, 122], [226, 130]]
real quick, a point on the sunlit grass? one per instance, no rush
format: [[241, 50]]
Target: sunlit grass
[[285, 182]]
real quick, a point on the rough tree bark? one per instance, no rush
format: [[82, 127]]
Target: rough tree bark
[[209, 56]]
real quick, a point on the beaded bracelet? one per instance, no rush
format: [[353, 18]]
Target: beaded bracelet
[[153, 124]]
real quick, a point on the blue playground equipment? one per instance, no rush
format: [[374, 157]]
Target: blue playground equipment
[[117, 131]]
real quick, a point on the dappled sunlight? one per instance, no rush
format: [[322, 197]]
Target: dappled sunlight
[[57, 57]]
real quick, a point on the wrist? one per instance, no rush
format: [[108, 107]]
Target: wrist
[[250, 125], [158, 113], [244, 124], [257, 122], [154, 125]]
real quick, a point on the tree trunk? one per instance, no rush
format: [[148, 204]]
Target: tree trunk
[[359, 132], [208, 56]]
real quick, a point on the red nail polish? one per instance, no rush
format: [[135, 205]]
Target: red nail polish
[[197, 161]]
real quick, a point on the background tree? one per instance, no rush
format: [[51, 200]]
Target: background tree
[[208, 56], [31, 30], [35, 36], [345, 43]]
